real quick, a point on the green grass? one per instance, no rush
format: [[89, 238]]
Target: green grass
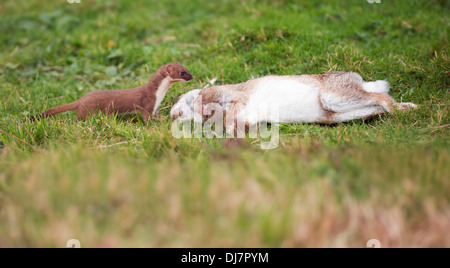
[[113, 181]]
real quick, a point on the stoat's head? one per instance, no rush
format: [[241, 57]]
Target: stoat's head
[[177, 72], [183, 108]]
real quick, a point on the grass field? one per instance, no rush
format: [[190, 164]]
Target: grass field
[[113, 181]]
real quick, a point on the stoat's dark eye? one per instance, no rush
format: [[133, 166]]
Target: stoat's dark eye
[[182, 73]]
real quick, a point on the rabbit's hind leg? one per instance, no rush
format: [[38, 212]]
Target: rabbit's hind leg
[[352, 97], [404, 106], [347, 99], [361, 113]]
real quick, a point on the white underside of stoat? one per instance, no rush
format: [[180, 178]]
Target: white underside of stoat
[[161, 92]]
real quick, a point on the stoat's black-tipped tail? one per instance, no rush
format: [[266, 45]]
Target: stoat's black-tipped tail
[[35, 117], [31, 119], [60, 109]]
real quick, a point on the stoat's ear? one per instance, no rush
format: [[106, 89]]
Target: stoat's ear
[[168, 70]]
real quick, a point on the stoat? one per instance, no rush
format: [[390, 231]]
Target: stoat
[[145, 99], [323, 98]]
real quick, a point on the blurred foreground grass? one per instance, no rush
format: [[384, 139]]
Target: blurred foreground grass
[[307, 195]]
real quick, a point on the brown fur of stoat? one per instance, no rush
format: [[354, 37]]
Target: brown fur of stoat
[[145, 99]]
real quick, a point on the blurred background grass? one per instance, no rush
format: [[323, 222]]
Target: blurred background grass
[[116, 182]]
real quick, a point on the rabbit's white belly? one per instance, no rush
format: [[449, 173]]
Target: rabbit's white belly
[[282, 100]]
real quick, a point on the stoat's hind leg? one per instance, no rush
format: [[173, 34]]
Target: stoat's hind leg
[[82, 113]]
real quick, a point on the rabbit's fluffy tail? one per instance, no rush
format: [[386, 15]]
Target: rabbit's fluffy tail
[[380, 86]]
